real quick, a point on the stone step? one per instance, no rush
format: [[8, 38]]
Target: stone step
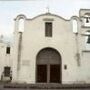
[[40, 86]]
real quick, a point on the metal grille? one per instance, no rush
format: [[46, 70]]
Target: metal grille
[[48, 29], [7, 71]]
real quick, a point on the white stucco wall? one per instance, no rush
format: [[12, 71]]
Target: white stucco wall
[[63, 39]]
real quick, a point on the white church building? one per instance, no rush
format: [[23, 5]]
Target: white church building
[[48, 49]]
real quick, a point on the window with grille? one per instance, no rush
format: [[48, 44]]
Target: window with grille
[[7, 71], [88, 40], [8, 50], [48, 29]]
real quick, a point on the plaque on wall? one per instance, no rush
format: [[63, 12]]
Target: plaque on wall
[[25, 62]]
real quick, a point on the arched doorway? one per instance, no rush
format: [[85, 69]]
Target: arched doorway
[[48, 66]]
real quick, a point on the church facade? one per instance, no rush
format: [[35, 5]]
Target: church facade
[[49, 49]]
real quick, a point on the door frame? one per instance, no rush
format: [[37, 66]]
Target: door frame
[[49, 65]]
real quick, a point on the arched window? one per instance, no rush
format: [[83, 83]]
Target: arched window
[[21, 25], [74, 26]]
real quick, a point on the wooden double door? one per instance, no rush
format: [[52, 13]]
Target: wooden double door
[[48, 69]]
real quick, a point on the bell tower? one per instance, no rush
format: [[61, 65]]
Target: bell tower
[[85, 29]]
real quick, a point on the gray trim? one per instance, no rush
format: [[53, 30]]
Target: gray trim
[[88, 27], [85, 50], [20, 16], [48, 19], [85, 34], [48, 14]]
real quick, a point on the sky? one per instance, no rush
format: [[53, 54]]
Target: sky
[[9, 9]]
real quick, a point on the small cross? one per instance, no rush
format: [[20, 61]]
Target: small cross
[[47, 8]]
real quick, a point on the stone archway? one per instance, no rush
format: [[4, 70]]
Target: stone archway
[[48, 66]]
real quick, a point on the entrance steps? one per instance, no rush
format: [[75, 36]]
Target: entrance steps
[[53, 86]]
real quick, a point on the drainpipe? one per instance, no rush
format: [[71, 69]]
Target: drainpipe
[[77, 50], [19, 51]]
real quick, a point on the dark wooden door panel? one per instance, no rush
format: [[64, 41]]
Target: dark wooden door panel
[[42, 73], [55, 73]]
